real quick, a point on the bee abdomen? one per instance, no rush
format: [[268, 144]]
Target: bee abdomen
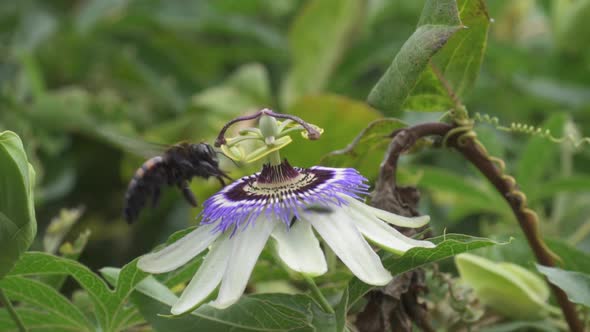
[[144, 184]]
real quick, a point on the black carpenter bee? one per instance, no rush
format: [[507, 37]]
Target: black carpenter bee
[[175, 167]]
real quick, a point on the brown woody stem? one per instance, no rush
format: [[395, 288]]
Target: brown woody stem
[[475, 152]]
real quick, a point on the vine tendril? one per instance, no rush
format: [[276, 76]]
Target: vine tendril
[[523, 128]]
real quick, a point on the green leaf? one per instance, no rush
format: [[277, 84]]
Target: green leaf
[[570, 20], [35, 321], [340, 117], [247, 88], [539, 156], [552, 90], [446, 246], [130, 277], [274, 312], [575, 284], [547, 189], [69, 251], [17, 211], [519, 326], [109, 305], [507, 288], [572, 258], [438, 22], [367, 148], [462, 191], [318, 38], [341, 311], [439, 62], [47, 298], [460, 59], [95, 10]]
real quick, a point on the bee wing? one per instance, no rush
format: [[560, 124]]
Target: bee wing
[[133, 145]]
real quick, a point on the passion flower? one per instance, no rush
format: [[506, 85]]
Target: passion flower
[[286, 203]]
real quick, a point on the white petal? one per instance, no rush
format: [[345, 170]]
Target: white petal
[[207, 277], [339, 232], [247, 246], [392, 218], [179, 252], [300, 249], [385, 235]]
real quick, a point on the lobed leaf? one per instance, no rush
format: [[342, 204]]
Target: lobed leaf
[[46, 297], [70, 251], [109, 305], [35, 321]]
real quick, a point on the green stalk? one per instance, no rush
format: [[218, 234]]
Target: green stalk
[[318, 296], [12, 312], [274, 158]]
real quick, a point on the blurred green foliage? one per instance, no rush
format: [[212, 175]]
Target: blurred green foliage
[[86, 83]]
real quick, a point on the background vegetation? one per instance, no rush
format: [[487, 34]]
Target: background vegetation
[[85, 83]]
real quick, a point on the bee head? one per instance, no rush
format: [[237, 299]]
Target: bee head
[[203, 151]]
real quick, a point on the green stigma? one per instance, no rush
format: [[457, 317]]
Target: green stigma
[[271, 135]]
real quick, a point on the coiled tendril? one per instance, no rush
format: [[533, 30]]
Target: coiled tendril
[[523, 128]]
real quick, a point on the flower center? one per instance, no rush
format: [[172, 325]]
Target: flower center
[[280, 192], [275, 174], [278, 181]]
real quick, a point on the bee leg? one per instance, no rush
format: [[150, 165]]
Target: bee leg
[[221, 181], [224, 175], [187, 193], [293, 220]]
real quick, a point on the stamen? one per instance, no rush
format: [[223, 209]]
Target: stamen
[[277, 173]]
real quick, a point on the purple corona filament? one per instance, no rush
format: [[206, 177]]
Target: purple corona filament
[[281, 192]]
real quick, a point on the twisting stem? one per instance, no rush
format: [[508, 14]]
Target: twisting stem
[[12, 312], [402, 141], [466, 143], [317, 294], [527, 220]]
